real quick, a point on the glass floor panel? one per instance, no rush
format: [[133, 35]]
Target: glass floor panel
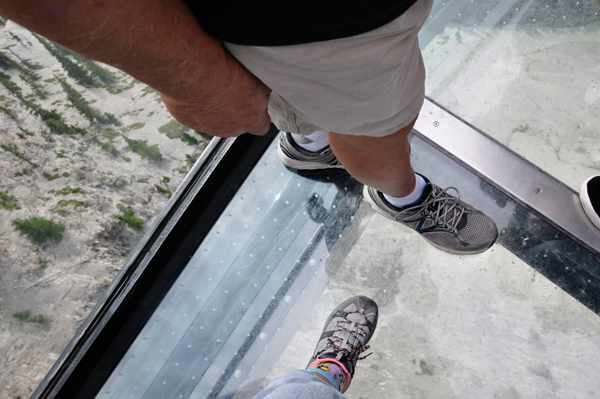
[[525, 72], [250, 305]]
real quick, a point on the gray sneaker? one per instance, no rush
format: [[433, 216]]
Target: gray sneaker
[[347, 331], [445, 221], [297, 157]]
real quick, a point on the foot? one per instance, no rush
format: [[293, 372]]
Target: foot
[[297, 157], [590, 199], [347, 331], [448, 223]]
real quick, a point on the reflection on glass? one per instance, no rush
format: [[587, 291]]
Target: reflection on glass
[[89, 157], [250, 304], [525, 73], [259, 255]]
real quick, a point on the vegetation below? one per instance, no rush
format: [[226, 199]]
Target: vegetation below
[[135, 126], [39, 230], [58, 209], [66, 191], [129, 219], [51, 118], [174, 130], [85, 108], [141, 147], [24, 316], [8, 202], [74, 70], [163, 190], [27, 74], [14, 149], [109, 147]]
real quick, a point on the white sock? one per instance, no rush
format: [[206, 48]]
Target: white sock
[[410, 198], [314, 142]]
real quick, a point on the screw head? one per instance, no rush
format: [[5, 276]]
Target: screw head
[[538, 190], [436, 123]]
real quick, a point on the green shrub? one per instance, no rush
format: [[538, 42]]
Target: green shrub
[[109, 147], [8, 112], [152, 153], [66, 191], [25, 171], [43, 263], [163, 190], [73, 69], [169, 127], [174, 129], [134, 126], [27, 132], [186, 138], [128, 218], [22, 315], [8, 202], [50, 177], [39, 230], [191, 159], [36, 319], [14, 149], [84, 107], [99, 72], [58, 209], [110, 118]]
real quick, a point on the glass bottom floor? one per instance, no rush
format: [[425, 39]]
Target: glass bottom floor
[[519, 320]]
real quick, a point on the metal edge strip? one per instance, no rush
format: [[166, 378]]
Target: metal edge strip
[[509, 172]]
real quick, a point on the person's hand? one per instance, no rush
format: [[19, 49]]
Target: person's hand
[[238, 104], [163, 46]]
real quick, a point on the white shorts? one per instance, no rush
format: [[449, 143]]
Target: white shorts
[[371, 84]]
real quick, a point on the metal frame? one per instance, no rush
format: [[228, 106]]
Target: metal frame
[[520, 179]]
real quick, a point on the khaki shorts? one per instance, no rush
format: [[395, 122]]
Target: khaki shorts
[[371, 84]]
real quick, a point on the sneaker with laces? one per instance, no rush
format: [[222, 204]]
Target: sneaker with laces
[[347, 331], [297, 157], [448, 223]]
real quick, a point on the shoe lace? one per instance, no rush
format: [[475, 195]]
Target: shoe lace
[[349, 350], [443, 208]]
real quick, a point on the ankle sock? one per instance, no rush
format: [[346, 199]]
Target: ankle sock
[[314, 142], [410, 198], [333, 372]]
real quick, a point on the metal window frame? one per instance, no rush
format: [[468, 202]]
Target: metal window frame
[[509, 172]]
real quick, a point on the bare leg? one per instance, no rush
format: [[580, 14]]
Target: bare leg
[[379, 162]]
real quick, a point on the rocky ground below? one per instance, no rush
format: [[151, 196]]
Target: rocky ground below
[[88, 178]]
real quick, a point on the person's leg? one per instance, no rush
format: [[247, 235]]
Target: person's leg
[[299, 384], [379, 162], [330, 370]]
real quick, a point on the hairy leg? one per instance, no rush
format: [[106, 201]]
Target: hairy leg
[[379, 162]]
